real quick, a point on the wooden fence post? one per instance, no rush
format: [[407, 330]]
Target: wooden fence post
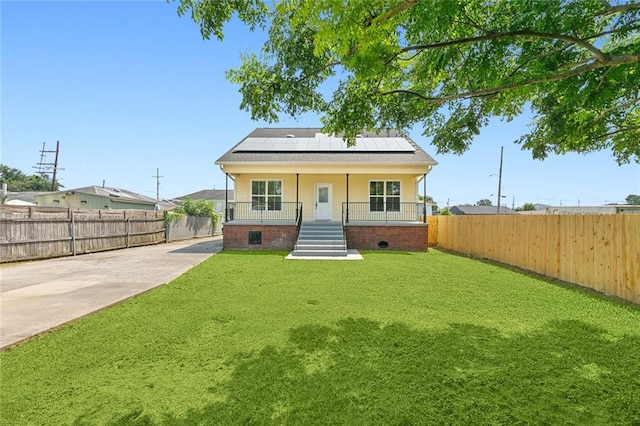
[[73, 233]]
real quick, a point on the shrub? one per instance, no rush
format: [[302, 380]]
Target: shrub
[[196, 208]]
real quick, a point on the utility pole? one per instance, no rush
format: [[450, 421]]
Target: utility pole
[[43, 167], [55, 167], [3, 193], [157, 176], [500, 179]]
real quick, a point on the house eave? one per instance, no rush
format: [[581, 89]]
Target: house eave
[[233, 168], [120, 200]]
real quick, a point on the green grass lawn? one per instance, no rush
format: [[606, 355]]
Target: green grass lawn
[[398, 338]]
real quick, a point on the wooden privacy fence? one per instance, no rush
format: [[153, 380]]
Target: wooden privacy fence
[[44, 232], [601, 252]]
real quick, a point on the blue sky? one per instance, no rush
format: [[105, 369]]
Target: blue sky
[[129, 87]]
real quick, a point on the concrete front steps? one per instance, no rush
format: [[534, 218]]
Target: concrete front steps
[[320, 239]]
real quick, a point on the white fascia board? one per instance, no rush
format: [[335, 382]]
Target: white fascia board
[[324, 168]]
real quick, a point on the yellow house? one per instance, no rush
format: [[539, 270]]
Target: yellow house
[[299, 189]]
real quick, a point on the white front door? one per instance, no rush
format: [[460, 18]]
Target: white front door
[[323, 201]]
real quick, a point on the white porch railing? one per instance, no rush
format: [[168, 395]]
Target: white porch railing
[[383, 212], [260, 212]]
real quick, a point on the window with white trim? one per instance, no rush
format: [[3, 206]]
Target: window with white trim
[[266, 195], [384, 196]]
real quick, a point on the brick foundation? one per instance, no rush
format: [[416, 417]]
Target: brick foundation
[[397, 237], [274, 237]]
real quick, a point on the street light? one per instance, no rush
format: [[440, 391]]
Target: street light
[[501, 196]]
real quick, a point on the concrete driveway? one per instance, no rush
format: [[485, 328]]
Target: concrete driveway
[[40, 295]]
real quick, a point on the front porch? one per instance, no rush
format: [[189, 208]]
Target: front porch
[[366, 226]]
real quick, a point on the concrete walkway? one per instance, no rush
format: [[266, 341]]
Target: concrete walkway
[[40, 295]]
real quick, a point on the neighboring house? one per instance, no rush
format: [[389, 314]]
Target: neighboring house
[[22, 198], [97, 197], [608, 209], [480, 210], [219, 197], [541, 209], [286, 178]]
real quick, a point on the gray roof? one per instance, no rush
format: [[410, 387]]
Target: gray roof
[[165, 205], [27, 197], [481, 210], [120, 195], [208, 194], [386, 148]]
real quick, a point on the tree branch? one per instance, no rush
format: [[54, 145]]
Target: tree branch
[[613, 31], [418, 95], [615, 107], [620, 8], [621, 130], [600, 56], [534, 58], [471, 22], [613, 61], [306, 76], [603, 79], [395, 10]]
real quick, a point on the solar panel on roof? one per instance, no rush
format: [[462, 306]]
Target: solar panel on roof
[[324, 144]]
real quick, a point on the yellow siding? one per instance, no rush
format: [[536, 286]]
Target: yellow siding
[[358, 188], [243, 185]]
